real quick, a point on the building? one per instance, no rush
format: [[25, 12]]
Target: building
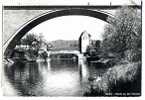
[[84, 41]]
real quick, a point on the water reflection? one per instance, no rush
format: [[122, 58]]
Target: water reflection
[[83, 70], [50, 78], [23, 77]]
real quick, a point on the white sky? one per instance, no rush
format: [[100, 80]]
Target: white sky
[[70, 28]]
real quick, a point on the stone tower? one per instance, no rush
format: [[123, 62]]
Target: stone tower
[[84, 41]]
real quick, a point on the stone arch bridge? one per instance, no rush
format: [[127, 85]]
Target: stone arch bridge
[[18, 20], [75, 52]]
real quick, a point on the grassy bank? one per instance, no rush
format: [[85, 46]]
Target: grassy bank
[[120, 80]]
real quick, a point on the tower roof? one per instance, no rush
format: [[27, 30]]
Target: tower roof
[[85, 32]]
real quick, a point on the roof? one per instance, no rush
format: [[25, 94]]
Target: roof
[[84, 32]]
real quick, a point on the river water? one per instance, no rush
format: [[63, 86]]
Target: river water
[[50, 78]]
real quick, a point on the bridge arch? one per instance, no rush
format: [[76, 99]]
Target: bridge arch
[[11, 43]]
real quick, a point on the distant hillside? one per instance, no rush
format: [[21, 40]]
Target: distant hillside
[[65, 45]]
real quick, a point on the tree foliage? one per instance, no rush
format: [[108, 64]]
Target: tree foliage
[[33, 44], [33, 41], [29, 39], [94, 48], [125, 31], [44, 55]]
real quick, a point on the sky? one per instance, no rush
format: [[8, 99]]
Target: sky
[[70, 28]]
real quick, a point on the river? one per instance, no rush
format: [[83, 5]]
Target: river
[[49, 78]]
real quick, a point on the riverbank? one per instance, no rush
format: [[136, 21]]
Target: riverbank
[[120, 80]]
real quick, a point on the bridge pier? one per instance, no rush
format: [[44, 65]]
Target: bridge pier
[[81, 57]]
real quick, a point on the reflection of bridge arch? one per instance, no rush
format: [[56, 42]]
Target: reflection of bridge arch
[[10, 44]]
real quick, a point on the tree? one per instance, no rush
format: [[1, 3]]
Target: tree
[[32, 43], [44, 55], [98, 44], [124, 32], [29, 39], [94, 48]]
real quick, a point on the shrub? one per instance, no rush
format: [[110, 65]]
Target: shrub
[[133, 55], [120, 78], [44, 55]]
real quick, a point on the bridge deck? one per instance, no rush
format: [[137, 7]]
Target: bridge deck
[[64, 51], [68, 7], [77, 53]]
